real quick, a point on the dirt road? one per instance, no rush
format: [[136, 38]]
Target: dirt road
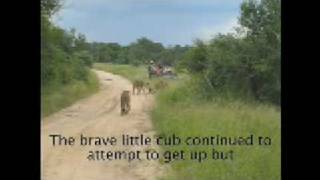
[[98, 115]]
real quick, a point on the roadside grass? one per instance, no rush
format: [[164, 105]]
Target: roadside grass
[[178, 111], [135, 73], [55, 98], [130, 72]]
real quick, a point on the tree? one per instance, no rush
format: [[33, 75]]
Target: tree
[[196, 59], [64, 57], [144, 50], [50, 7], [262, 20], [237, 63]]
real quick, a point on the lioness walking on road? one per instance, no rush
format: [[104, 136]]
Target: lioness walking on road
[[125, 102]]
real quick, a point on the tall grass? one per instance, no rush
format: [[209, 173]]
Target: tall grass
[[54, 98], [127, 71], [178, 112]]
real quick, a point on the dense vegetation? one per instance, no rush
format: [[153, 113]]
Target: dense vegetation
[[65, 63], [231, 75], [64, 56], [137, 53], [244, 64]]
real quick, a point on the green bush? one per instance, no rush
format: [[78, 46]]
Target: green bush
[[241, 65], [56, 97], [65, 63]]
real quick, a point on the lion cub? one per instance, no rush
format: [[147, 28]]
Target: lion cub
[[161, 85], [125, 102]]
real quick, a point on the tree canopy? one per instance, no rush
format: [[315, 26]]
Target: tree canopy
[[237, 63]]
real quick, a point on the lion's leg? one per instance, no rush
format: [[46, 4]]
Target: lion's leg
[[128, 106], [122, 109], [142, 90], [145, 90]]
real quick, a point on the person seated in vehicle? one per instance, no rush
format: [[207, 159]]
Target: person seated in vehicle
[[150, 68]]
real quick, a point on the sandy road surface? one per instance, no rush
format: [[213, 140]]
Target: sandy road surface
[[98, 115]]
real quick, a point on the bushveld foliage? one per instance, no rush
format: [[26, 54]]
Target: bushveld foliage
[[245, 63], [137, 53], [64, 56], [65, 63]]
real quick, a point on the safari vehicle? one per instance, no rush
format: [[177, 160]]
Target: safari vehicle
[[160, 71]]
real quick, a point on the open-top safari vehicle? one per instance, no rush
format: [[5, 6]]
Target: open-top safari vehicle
[[160, 71]]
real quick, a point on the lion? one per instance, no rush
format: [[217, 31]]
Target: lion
[[125, 102], [149, 88], [139, 86], [161, 85]]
